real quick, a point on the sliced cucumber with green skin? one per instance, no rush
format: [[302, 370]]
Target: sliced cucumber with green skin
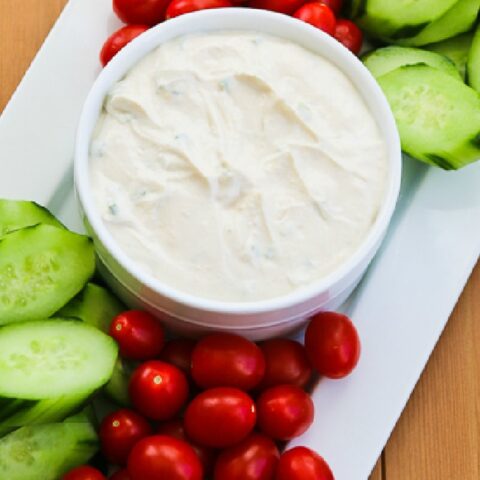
[[53, 358], [438, 117], [46, 452], [117, 388], [401, 18], [16, 413], [385, 60], [459, 19], [94, 305], [473, 66], [456, 49], [41, 269], [16, 214]]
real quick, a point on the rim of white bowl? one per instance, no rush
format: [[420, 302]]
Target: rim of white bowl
[[263, 22]]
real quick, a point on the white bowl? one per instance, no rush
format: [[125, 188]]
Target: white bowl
[[185, 313]]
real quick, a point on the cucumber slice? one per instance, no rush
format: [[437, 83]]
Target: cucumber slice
[[41, 269], [46, 452], [53, 358], [401, 18], [473, 66], [459, 19], [94, 305], [16, 214], [438, 117], [117, 388], [456, 49], [16, 413], [384, 60]]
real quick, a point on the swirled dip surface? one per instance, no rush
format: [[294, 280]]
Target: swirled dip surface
[[237, 166]]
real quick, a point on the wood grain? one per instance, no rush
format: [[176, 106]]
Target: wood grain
[[24, 24], [377, 473], [438, 436]]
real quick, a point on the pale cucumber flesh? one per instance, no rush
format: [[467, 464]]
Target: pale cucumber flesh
[[431, 109], [46, 452], [54, 358], [385, 60], [94, 305], [16, 214], [41, 269], [456, 49], [401, 18], [459, 19]]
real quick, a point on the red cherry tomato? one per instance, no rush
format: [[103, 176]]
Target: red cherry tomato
[[178, 352], [253, 459], [348, 34], [139, 335], [175, 429], [282, 6], [284, 412], [318, 15], [301, 463], [334, 5], [165, 457], [121, 475], [332, 344], [119, 432], [227, 360], [158, 390], [118, 40], [180, 7], [286, 363], [148, 12], [220, 417], [85, 472]]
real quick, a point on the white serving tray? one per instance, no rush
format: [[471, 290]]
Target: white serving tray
[[400, 308]]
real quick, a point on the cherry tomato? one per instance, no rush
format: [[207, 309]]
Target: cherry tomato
[[175, 429], [253, 459], [301, 463], [220, 417], [282, 6], [85, 472], [349, 35], [334, 5], [148, 12], [227, 360], [139, 335], [284, 412], [178, 352], [118, 40], [332, 344], [158, 390], [286, 363], [180, 7], [318, 15], [121, 475], [119, 432], [165, 457]]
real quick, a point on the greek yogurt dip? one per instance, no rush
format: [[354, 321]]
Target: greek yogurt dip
[[237, 166]]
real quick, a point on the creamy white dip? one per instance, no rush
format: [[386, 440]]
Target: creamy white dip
[[237, 166]]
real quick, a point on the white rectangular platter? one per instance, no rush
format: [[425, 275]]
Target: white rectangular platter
[[401, 306]]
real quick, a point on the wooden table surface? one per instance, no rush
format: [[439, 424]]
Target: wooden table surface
[[438, 435]]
